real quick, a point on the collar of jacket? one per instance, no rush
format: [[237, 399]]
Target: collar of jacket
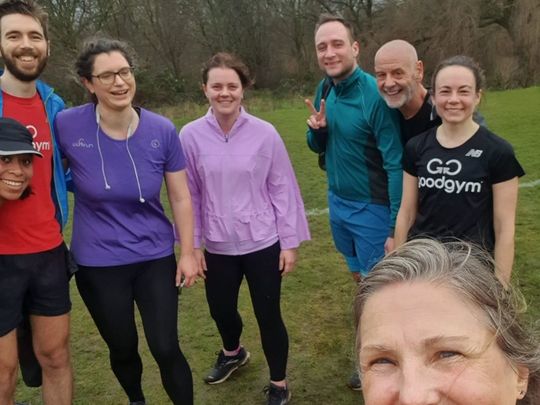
[[349, 81], [212, 121]]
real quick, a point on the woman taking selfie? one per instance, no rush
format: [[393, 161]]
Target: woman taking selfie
[[436, 326]]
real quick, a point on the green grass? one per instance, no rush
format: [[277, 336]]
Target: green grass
[[515, 116], [316, 297]]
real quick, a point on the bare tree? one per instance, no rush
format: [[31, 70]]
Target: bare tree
[[275, 37]]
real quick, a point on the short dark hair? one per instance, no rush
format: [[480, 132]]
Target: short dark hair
[[228, 61], [326, 18], [29, 8], [466, 62], [95, 46]]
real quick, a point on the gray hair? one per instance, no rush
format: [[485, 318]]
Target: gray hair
[[469, 272]]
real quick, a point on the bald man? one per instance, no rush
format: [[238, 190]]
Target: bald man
[[399, 76], [399, 79]]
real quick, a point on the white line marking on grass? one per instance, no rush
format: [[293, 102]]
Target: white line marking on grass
[[529, 184], [315, 212]]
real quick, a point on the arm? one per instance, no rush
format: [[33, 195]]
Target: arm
[[194, 185], [504, 219], [180, 201], [407, 210]]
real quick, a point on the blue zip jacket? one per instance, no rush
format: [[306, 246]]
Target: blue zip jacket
[[362, 143], [53, 105]]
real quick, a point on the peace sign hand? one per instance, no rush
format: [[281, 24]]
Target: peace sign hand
[[317, 119]]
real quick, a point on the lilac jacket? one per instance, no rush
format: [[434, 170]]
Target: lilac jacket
[[243, 187]]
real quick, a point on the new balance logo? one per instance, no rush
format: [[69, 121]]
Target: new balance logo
[[475, 153]]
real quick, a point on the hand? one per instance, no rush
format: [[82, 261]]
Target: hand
[[357, 277], [201, 262], [188, 268], [287, 261], [389, 245], [317, 119]]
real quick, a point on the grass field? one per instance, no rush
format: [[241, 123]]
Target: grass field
[[317, 296]]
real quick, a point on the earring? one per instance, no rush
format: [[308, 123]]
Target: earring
[[522, 394]]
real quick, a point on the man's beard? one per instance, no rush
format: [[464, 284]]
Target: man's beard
[[23, 76], [405, 96]]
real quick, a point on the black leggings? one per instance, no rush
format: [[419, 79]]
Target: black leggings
[[223, 279], [109, 294]]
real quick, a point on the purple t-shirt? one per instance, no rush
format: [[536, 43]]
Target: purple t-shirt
[[111, 226]]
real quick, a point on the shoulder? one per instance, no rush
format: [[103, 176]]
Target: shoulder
[[156, 129], [156, 120], [368, 84], [191, 127], [258, 123], [266, 132], [49, 96], [367, 79], [492, 146], [491, 139], [369, 92], [498, 154], [58, 102], [74, 123], [76, 114]]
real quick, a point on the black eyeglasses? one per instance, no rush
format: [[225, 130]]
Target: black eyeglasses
[[107, 78]]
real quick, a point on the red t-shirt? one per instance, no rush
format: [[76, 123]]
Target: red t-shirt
[[29, 225]]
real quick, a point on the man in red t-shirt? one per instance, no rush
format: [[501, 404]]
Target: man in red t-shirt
[[33, 256]]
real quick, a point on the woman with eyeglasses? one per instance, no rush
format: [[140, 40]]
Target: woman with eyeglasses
[[122, 240]]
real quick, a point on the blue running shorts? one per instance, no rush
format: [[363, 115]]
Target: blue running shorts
[[359, 230]]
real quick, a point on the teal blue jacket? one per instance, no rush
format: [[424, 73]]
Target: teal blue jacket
[[53, 105], [362, 143]]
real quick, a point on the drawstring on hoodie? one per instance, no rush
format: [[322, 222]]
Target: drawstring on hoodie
[[129, 133]]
